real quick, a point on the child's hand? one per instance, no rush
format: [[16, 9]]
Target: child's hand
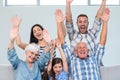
[[58, 44], [52, 47]]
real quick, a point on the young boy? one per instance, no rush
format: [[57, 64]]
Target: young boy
[[31, 68]]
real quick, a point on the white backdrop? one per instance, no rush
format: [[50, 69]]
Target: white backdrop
[[44, 15]]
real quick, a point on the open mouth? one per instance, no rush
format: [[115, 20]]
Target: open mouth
[[82, 52], [38, 35], [58, 72], [82, 27]]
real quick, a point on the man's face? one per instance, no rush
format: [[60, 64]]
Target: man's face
[[82, 50], [82, 23]]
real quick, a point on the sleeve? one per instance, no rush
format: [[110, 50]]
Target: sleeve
[[67, 52], [96, 27], [63, 76], [99, 52], [70, 30], [43, 59], [13, 58]]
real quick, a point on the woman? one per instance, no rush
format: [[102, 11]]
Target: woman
[[38, 36]]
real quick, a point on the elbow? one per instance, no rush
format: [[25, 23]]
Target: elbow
[[18, 44]]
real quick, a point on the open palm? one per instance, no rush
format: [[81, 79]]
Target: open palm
[[46, 36], [13, 33]]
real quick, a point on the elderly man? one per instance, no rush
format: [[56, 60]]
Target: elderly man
[[83, 66]]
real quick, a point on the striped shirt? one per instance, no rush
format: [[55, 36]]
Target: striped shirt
[[87, 69], [89, 38], [41, 52]]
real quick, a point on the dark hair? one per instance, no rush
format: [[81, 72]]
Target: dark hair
[[55, 61], [82, 15], [32, 37], [45, 75]]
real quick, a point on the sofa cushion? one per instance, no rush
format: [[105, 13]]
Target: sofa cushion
[[6, 72], [110, 73]]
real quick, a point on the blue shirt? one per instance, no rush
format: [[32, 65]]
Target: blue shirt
[[62, 76], [86, 69], [23, 71]]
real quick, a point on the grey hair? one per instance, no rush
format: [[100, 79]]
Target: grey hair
[[32, 47], [81, 42]]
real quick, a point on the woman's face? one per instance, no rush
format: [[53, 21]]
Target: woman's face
[[37, 32], [31, 56], [57, 68]]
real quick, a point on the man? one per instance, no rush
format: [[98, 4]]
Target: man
[[83, 66], [83, 34]]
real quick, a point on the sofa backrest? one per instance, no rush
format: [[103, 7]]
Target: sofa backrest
[[107, 73], [6, 72], [110, 73]]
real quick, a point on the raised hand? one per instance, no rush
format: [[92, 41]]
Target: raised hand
[[106, 14], [13, 32], [69, 1], [52, 47], [46, 36], [59, 16], [58, 44], [16, 21]]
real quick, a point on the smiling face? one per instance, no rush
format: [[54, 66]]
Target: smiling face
[[82, 23], [38, 32], [31, 56], [57, 65], [57, 68], [32, 52], [82, 50]]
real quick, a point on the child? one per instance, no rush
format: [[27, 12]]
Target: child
[[57, 67], [30, 69]]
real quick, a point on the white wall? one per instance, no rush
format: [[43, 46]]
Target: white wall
[[44, 15]]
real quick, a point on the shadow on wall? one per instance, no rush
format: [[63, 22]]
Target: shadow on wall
[[107, 73]]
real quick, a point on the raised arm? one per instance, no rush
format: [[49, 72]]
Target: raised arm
[[16, 22], [101, 9], [19, 43], [61, 31], [12, 55], [13, 35], [51, 57], [105, 18], [68, 11], [65, 65], [97, 22]]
